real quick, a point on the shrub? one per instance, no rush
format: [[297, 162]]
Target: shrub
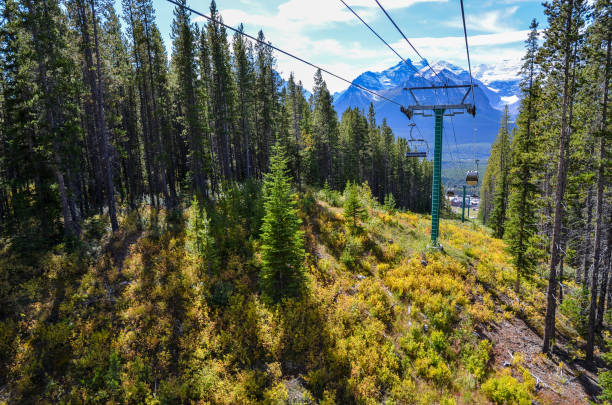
[[506, 389], [575, 306], [352, 252], [433, 367], [605, 378], [390, 204], [332, 197], [477, 362]]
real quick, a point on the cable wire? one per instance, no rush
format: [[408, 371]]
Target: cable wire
[[381, 38], [467, 50], [407, 40], [269, 45], [394, 51]]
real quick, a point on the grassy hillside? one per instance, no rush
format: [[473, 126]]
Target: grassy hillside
[[140, 318]]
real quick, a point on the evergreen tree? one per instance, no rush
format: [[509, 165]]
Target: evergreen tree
[[389, 203], [562, 38], [282, 241], [601, 37], [221, 92], [521, 227], [244, 70], [500, 196], [353, 209], [184, 60], [199, 239], [325, 133]]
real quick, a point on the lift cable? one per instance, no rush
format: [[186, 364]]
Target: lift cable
[[467, 50], [269, 45], [407, 40], [381, 38], [393, 50], [424, 60]]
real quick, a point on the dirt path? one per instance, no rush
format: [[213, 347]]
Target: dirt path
[[569, 383]]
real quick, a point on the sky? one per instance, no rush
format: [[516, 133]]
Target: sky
[[326, 33]]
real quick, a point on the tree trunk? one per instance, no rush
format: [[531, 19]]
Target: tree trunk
[[599, 215], [106, 158], [586, 263], [551, 307]]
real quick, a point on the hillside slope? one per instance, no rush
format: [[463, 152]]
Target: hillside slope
[[139, 318]]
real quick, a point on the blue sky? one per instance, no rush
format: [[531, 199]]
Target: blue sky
[[326, 33]]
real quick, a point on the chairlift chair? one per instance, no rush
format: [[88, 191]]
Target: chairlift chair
[[417, 153], [471, 178]]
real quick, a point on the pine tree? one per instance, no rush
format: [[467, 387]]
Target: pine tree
[[602, 164], [353, 209], [521, 227], [500, 196], [389, 203], [221, 92], [565, 19], [325, 132], [54, 127], [184, 60], [282, 241], [244, 71], [199, 239]]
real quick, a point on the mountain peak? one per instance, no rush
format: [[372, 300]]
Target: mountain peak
[[444, 65]]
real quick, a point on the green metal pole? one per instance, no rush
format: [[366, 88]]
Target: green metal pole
[[437, 178], [469, 205], [463, 206]]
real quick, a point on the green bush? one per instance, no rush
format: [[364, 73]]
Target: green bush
[[575, 306], [506, 389], [605, 378], [332, 197], [477, 362], [352, 252]]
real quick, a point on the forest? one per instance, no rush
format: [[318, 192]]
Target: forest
[[186, 226]]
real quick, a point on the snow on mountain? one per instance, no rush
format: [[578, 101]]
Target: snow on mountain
[[504, 71], [497, 86], [502, 78]]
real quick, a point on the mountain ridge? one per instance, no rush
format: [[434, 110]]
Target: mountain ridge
[[496, 87]]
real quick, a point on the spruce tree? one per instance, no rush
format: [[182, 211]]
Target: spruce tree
[[500, 196], [521, 227], [389, 203], [282, 241], [183, 58], [353, 209], [199, 239], [566, 20], [603, 24]]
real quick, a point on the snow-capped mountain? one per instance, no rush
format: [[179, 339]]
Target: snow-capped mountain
[[502, 78], [497, 86]]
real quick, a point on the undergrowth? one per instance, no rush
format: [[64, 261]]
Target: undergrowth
[[145, 318]]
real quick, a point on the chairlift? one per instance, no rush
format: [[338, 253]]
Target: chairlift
[[471, 178], [417, 153], [450, 193]]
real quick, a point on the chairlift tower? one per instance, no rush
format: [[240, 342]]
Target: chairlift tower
[[439, 111]]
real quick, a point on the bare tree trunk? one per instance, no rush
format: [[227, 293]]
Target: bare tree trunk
[[586, 263]]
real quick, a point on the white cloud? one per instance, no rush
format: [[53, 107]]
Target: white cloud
[[296, 14], [286, 28], [490, 21]]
